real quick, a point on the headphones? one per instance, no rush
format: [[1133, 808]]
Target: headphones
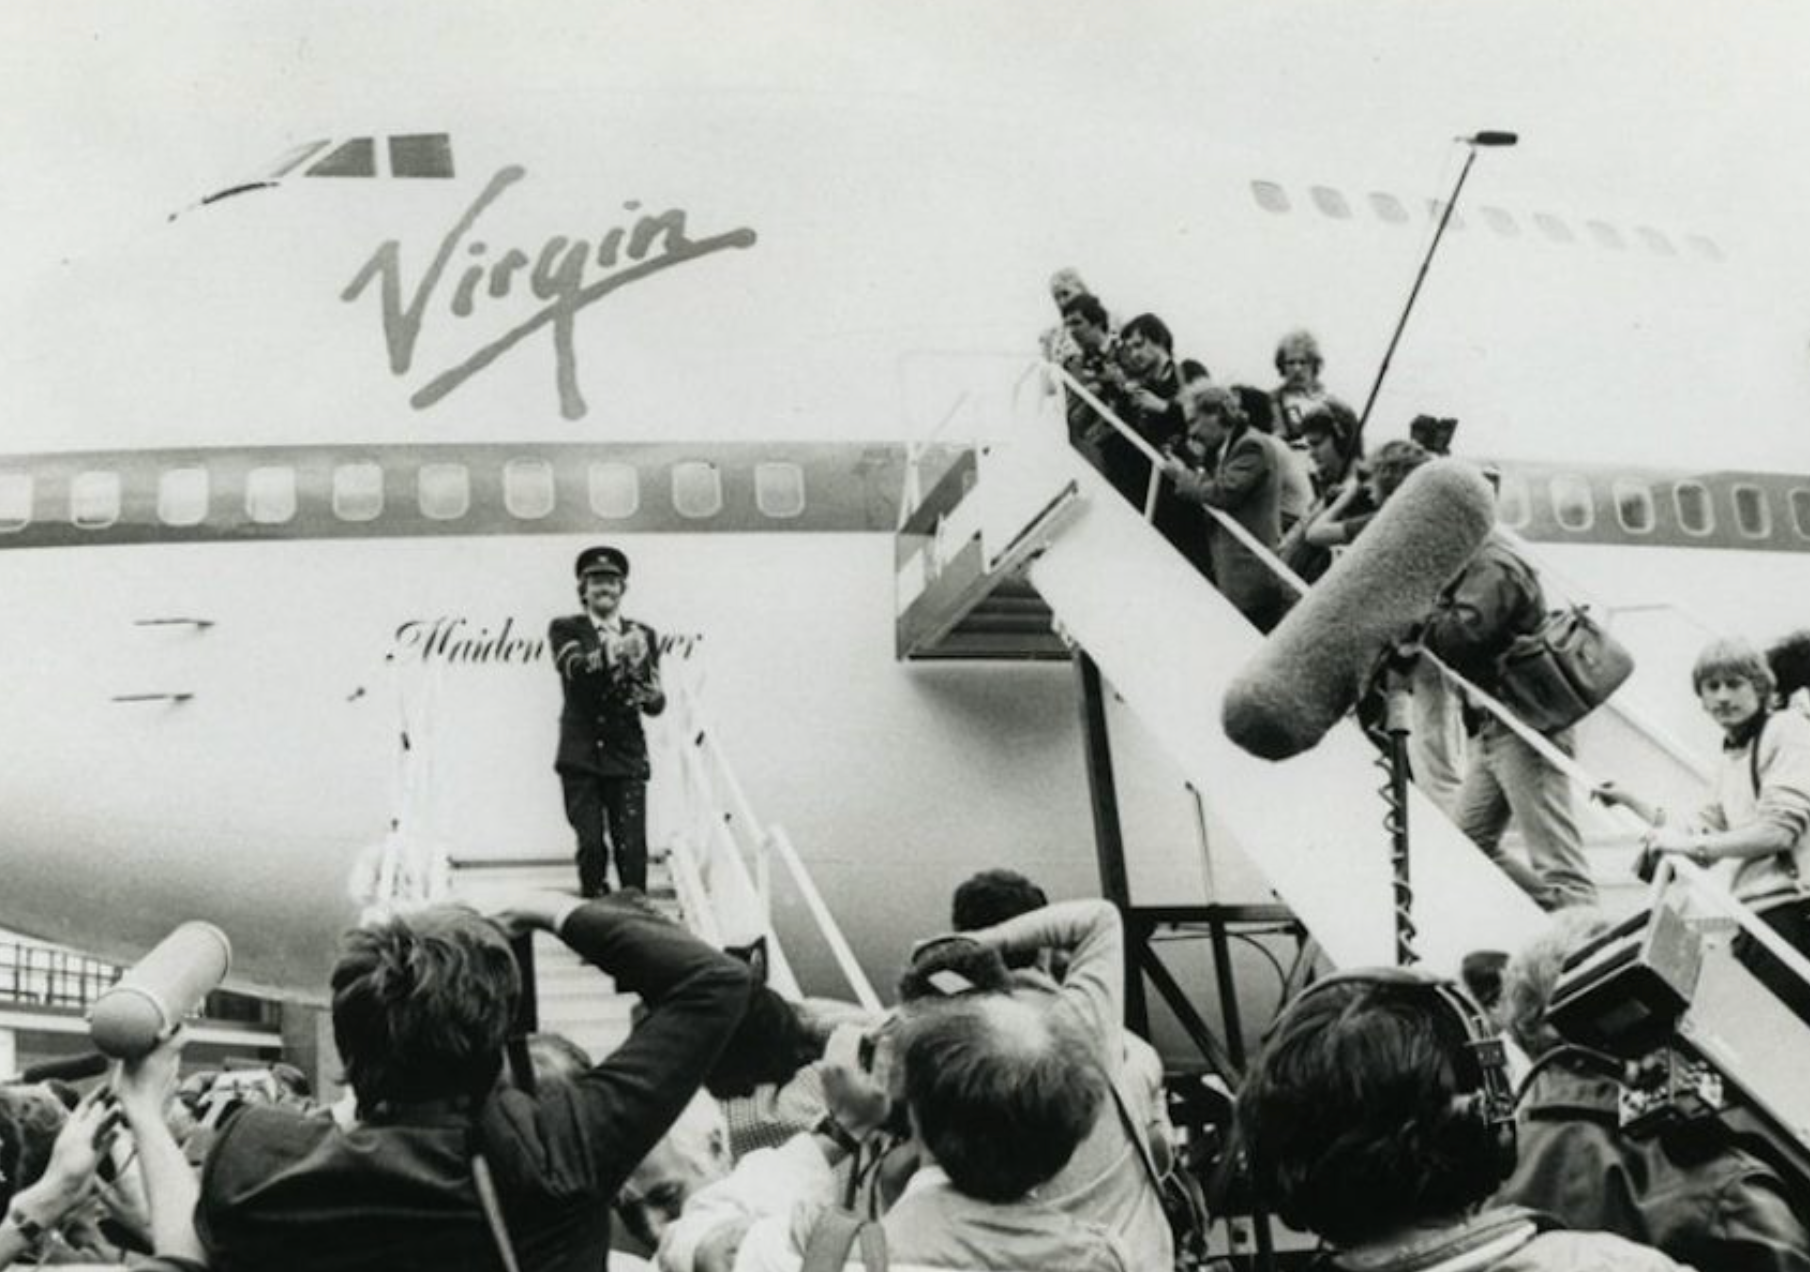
[[1486, 1092]]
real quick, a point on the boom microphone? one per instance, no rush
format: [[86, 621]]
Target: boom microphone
[[151, 998], [1312, 668]]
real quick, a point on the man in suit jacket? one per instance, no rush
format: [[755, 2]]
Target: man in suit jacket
[[609, 669], [1240, 479]]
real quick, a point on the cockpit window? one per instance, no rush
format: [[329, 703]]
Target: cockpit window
[[355, 158], [295, 157], [421, 155]]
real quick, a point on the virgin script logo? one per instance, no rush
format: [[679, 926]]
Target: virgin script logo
[[569, 274]]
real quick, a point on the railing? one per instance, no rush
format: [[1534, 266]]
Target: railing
[[1623, 819], [723, 853]]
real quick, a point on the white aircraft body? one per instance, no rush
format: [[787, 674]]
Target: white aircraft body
[[303, 469]]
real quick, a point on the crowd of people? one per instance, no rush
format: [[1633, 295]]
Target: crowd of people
[[1000, 1116], [1249, 478], [1287, 470]]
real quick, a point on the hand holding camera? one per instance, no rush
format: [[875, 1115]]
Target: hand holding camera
[[856, 1068]]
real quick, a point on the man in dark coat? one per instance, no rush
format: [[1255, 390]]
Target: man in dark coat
[[609, 670]]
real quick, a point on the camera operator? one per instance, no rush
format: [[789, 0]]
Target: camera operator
[[1378, 1116], [1683, 1188], [996, 1093], [422, 1008]]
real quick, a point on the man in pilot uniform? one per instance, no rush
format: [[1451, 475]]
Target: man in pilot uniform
[[609, 670]]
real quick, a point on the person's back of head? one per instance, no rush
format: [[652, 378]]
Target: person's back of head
[[422, 1007], [1000, 1092], [1532, 973], [1259, 407], [1393, 462], [993, 896], [1372, 1108]]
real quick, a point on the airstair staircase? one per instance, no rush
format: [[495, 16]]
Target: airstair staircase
[[712, 866], [1029, 511]]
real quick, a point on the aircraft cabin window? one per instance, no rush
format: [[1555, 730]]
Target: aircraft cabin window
[[1388, 207], [1800, 509], [1270, 196], [421, 155], [1706, 247], [615, 490], [1695, 514], [528, 488], [182, 496], [358, 491], [1606, 235], [779, 489], [1751, 512], [15, 501], [1512, 503], [1501, 222], [1553, 228], [355, 158], [697, 489], [1436, 209], [1634, 505], [94, 500], [1655, 241], [270, 495], [444, 491], [1571, 502], [1332, 203]]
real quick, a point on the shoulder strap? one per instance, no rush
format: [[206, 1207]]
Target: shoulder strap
[[1753, 754], [493, 1212], [834, 1236], [1135, 1131]]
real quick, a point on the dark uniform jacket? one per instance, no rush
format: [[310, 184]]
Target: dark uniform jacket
[[284, 1191], [600, 722]]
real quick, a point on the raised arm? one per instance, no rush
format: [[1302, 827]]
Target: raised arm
[[1094, 936], [694, 996]]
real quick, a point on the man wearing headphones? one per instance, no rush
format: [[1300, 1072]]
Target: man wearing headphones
[[609, 671], [1380, 1117]]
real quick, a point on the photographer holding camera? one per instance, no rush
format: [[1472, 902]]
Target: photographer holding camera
[[996, 1094], [443, 1167]]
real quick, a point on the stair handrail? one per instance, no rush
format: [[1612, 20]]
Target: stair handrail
[[1557, 758], [714, 769]]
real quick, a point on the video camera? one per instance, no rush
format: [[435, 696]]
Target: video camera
[[1698, 1036]]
